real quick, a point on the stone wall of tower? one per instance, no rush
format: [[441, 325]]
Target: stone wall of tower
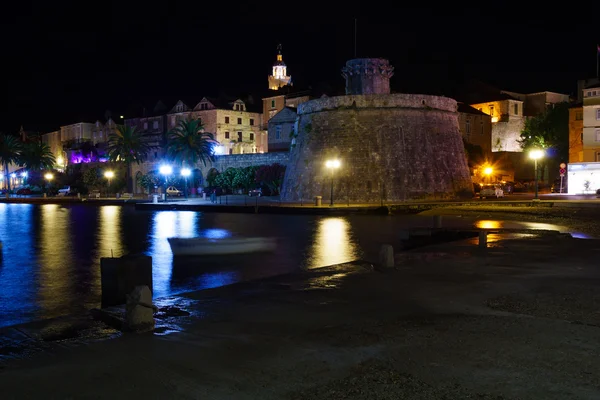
[[368, 76], [392, 147]]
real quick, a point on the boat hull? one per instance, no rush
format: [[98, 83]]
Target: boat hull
[[201, 246]]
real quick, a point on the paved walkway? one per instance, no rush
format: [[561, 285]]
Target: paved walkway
[[518, 320]]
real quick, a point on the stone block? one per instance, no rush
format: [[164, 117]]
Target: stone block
[[139, 310], [119, 277], [386, 256]]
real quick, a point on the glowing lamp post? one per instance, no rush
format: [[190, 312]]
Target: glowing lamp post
[[185, 172], [332, 165], [536, 155], [165, 170], [109, 175], [488, 171], [48, 176]]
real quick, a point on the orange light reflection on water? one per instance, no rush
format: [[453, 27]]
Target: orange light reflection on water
[[333, 243]]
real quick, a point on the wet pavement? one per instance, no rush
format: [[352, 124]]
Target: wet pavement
[[517, 320]]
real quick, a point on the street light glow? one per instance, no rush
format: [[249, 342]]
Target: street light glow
[[186, 172], [488, 171], [536, 154], [60, 160], [109, 174], [333, 164], [24, 174], [48, 176], [165, 170]]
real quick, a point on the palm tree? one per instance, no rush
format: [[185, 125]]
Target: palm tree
[[189, 144], [128, 146], [10, 153], [36, 156]]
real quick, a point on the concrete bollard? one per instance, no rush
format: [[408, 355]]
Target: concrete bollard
[[139, 310], [120, 276], [437, 221], [483, 239], [386, 256]]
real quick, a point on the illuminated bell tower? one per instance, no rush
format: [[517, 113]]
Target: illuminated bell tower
[[279, 77]]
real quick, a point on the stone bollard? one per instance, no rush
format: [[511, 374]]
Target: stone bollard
[[119, 276], [386, 256], [139, 310], [437, 221], [483, 239]]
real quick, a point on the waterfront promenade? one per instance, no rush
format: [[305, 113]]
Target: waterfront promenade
[[517, 320]]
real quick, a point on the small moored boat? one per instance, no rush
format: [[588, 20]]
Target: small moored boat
[[205, 246]]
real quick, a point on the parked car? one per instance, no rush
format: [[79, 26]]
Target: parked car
[[173, 191], [24, 192], [556, 186], [65, 191], [255, 192], [491, 191]]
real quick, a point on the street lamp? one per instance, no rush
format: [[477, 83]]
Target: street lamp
[[24, 176], [332, 165], [185, 172], [48, 176], [108, 175], [536, 155], [488, 171], [165, 170]]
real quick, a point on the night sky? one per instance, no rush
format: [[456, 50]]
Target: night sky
[[70, 61]]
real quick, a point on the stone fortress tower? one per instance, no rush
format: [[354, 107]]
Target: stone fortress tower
[[392, 147]]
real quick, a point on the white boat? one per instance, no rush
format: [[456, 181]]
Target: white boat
[[205, 246]]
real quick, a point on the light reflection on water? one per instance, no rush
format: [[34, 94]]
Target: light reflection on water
[[51, 253]]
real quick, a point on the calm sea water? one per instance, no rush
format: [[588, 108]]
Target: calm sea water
[[50, 263]]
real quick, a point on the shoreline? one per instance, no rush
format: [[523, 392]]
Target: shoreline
[[449, 321]]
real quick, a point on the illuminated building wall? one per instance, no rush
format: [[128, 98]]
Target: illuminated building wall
[[576, 134], [507, 123], [475, 127]]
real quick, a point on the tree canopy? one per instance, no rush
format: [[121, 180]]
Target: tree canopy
[[549, 131]]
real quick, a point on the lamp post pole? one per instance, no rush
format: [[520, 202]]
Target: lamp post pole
[[331, 202], [185, 172], [332, 165], [536, 154], [536, 177]]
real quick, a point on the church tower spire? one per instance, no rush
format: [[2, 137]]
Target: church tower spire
[[279, 78]]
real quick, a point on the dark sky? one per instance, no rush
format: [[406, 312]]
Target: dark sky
[[68, 61]]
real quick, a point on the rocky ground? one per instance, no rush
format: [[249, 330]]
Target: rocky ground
[[518, 320]]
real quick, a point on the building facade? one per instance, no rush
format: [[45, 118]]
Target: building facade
[[576, 133], [102, 131], [591, 124], [235, 128], [52, 139], [507, 120], [281, 130], [475, 127], [154, 126], [79, 132]]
